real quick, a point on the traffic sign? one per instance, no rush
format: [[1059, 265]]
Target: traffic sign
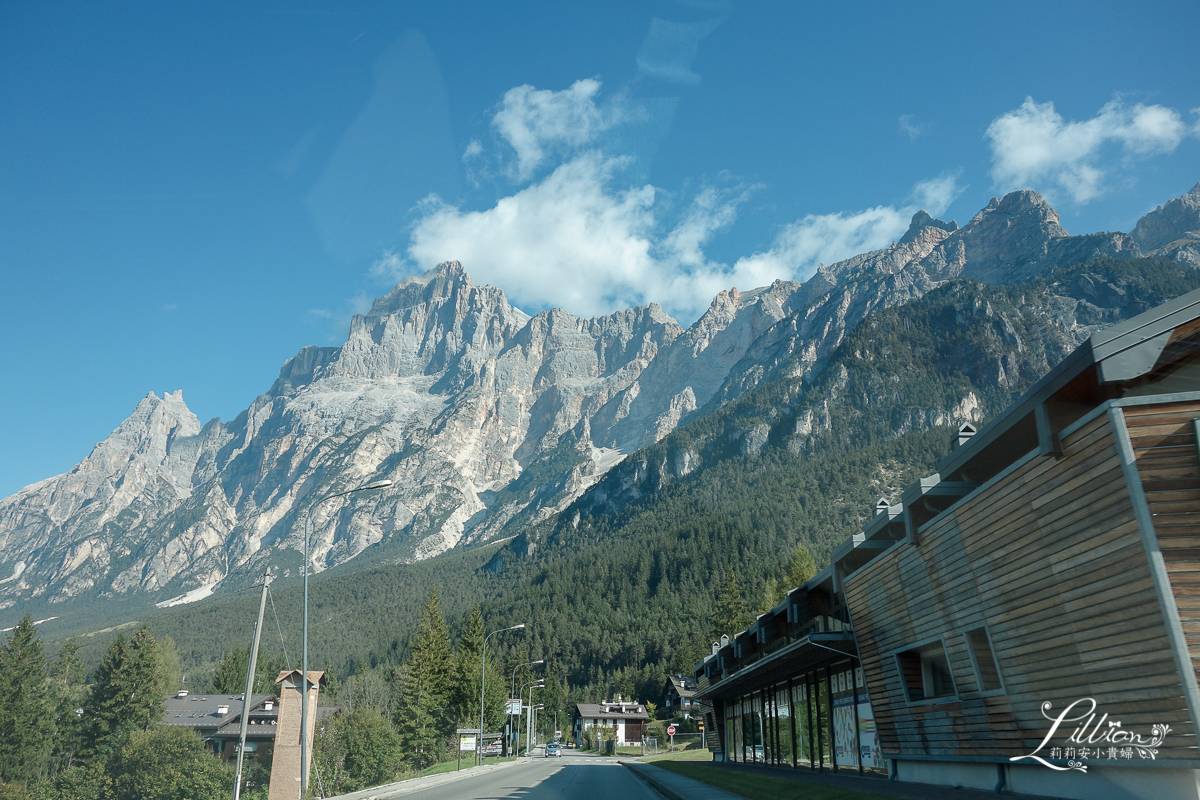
[[670, 730]]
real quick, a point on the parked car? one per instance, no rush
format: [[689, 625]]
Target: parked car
[[552, 749]]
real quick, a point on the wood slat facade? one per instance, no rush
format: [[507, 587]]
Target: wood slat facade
[[1052, 563]]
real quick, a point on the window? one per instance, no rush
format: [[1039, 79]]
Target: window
[[925, 672], [987, 669]]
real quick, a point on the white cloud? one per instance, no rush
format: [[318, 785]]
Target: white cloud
[[909, 128], [579, 240], [1033, 147], [829, 238], [538, 123]]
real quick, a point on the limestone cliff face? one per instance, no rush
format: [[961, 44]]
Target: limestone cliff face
[[486, 418], [443, 387], [1173, 230]]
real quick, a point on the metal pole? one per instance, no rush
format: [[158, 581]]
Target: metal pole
[[529, 732], [304, 656], [516, 739], [241, 752], [523, 708], [483, 680]]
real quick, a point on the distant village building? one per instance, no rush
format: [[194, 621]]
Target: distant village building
[[1024, 620], [218, 720], [627, 718], [678, 698]]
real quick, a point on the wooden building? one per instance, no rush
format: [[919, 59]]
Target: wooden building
[[1027, 619]]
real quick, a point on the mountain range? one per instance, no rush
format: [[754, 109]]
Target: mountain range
[[491, 422]]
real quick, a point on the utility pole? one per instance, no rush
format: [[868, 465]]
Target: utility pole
[[241, 751]]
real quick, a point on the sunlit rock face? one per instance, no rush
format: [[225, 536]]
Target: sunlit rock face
[[485, 418]]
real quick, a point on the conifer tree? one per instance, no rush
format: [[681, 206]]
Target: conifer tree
[[732, 614], [126, 696], [423, 718], [26, 718], [68, 692], [801, 567], [466, 678], [229, 677]]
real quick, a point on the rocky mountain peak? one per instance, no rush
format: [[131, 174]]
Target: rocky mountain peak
[[1015, 237], [1170, 223], [922, 220]]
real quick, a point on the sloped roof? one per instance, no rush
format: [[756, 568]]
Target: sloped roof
[[684, 686], [200, 711], [604, 711]]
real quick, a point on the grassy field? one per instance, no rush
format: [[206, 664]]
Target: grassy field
[[764, 787]]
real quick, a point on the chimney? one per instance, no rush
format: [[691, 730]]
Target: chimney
[[881, 506], [715, 647]]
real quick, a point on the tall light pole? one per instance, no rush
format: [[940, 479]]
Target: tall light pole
[[304, 657], [483, 680], [529, 725], [539, 682], [512, 690]]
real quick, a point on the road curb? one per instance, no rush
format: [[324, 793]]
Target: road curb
[[655, 783], [416, 784]]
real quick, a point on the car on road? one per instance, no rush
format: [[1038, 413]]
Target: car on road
[[552, 749]]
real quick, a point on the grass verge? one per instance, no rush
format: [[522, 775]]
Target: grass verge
[[682, 755], [451, 766], [764, 787]]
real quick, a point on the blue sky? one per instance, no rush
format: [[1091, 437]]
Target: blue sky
[[190, 193]]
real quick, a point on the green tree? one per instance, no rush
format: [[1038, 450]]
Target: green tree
[[26, 710], [230, 675], [68, 693], [359, 749], [126, 696], [732, 615], [800, 569], [423, 718], [169, 763], [466, 677], [85, 782]]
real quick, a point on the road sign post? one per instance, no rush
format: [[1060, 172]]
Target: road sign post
[[671, 733]]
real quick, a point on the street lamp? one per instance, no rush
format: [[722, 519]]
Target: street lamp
[[512, 690], [304, 658], [539, 683], [483, 679]]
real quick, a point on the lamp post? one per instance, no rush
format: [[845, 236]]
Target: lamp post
[[483, 680], [304, 657], [539, 682], [512, 690], [529, 725]]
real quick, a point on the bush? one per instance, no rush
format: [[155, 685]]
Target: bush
[[165, 763]]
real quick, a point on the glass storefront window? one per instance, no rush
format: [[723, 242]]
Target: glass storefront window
[[787, 754], [823, 738]]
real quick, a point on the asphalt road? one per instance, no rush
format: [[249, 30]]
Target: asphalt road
[[573, 776]]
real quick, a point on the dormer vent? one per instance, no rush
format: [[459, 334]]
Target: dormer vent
[[965, 432]]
